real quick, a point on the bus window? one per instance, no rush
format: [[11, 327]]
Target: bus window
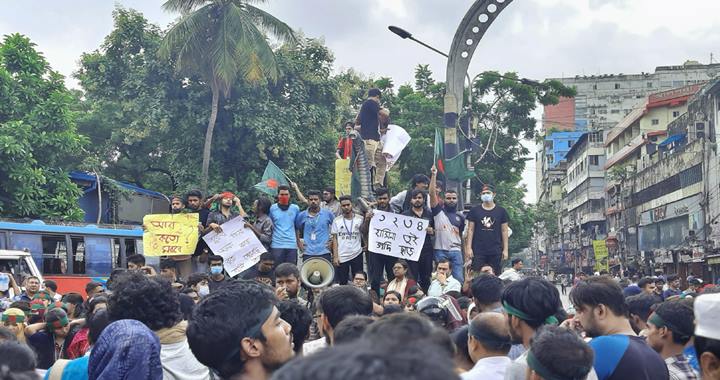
[[30, 243], [3, 237], [98, 255], [54, 254], [78, 249]]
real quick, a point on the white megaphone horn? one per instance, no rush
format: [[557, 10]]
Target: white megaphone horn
[[317, 273]]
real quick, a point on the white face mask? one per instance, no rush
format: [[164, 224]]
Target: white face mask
[[203, 290], [487, 198]]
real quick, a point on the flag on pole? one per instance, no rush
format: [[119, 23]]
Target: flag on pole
[[452, 168], [271, 179]]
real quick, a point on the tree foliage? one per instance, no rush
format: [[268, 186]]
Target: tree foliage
[[222, 41], [39, 141]]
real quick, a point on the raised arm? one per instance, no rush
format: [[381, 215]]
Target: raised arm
[[433, 186], [468, 242], [300, 195]]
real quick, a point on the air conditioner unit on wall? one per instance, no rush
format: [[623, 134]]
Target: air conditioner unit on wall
[[696, 130]]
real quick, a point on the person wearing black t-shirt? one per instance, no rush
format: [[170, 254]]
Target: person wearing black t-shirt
[[369, 123], [421, 270], [487, 236]]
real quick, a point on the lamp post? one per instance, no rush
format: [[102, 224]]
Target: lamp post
[[467, 36]]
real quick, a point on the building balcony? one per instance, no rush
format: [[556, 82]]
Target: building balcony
[[592, 217]]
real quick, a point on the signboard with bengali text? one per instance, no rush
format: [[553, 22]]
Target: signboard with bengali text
[[170, 234], [238, 246], [396, 235]]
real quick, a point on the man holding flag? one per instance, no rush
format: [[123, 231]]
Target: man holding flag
[[283, 213]]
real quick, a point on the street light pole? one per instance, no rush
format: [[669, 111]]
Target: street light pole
[[467, 37]]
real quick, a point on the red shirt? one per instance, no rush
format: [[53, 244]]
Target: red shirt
[[344, 147], [79, 345]]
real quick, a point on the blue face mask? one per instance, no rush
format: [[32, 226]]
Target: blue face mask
[[216, 270], [487, 198]]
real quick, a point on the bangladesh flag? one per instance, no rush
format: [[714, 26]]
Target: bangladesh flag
[[271, 179], [452, 168]]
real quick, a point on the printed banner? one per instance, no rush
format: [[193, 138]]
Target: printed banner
[[397, 235], [238, 246], [170, 234], [601, 255], [342, 177]]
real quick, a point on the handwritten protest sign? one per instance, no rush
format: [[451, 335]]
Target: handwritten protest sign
[[238, 246], [396, 235], [170, 234]]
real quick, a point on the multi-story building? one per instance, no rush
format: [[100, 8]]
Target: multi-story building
[[630, 147], [668, 205], [584, 200], [601, 103]]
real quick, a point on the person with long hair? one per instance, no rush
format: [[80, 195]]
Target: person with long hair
[[401, 283]]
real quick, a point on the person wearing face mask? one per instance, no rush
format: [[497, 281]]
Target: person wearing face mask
[[449, 226], [284, 240], [199, 283], [217, 279], [486, 242]]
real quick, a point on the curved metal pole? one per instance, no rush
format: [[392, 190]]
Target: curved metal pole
[[473, 26]]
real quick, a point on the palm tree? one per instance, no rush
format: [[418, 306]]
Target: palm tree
[[223, 40]]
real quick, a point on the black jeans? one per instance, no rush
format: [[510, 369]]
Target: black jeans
[[376, 264], [421, 270], [347, 269]]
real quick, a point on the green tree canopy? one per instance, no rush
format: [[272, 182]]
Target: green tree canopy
[[39, 142]]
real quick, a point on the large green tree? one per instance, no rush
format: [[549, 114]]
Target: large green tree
[[144, 121], [223, 41], [39, 142]]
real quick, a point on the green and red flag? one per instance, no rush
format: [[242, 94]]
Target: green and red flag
[[452, 168], [271, 179]]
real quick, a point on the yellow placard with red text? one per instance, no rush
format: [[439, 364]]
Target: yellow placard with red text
[[170, 234], [343, 177]]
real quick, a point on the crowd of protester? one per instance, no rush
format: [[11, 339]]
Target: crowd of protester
[[452, 313]]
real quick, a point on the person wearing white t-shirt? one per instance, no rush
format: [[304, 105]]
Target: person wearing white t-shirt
[[347, 242]]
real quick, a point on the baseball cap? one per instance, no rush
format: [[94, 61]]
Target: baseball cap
[[707, 308]]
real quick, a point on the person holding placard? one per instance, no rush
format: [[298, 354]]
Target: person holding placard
[[422, 269], [377, 262], [347, 242]]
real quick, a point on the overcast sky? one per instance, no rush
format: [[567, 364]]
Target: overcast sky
[[536, 38]]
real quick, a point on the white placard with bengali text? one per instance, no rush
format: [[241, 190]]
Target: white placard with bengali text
[[238, 246], [396, 235]]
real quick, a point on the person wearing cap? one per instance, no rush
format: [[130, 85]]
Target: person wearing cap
[[238, 332], [707, 335], [529, 304], [670, 328], [487, 232], [557, 353], [489, 342], [13, 319], [48, 337], [368, 122], [602, 313]]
